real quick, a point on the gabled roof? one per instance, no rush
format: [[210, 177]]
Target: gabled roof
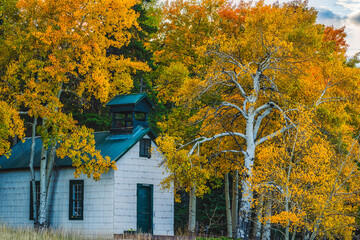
[[129, 99], [112, 146]]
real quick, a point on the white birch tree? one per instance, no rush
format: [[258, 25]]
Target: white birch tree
[[263, 65]]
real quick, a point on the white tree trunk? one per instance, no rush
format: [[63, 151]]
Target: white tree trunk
[[243, 228], [50, 166], [228, 208], [43, 192], [287, 228], [32, 172], [294, 233], [267, 227], [235, 201], [192, 211], [307, 236], [46, 166], [257, 222]]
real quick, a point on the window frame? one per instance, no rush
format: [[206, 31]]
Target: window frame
[[37, 186], [145, 143], [72, 200], [127, 121]]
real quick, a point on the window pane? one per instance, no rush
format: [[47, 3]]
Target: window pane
[[140, 116], [129, 124], [119, 116], [76, 199], [145, 148]]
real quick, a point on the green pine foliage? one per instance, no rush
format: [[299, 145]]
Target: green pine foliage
[[210, 213]]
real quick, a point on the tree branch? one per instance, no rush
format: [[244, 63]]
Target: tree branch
[[201, 140], [259, 120], [235, 106], [274, 134]]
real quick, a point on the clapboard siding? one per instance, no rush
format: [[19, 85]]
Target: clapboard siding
[[14, 198], [98, 201], [133, 170]]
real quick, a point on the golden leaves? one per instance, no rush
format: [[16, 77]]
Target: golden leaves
[[52, 47], [185, 170], [310, 178], [11, 125], [79, 145], [276, 53]]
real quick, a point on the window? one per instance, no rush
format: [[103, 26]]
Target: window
[[123, 120], [76, 200], [139, 116], [37, 187], [145, 148]]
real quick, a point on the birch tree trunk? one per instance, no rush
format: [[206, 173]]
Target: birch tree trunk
[[257, 222], [287, 202], [235, 201], [294, 233], [43, 192], [50, 166], [267, 227], [46, 166], [243, 228], [192, 211], [49, 170], [32, 172], [228, 208]]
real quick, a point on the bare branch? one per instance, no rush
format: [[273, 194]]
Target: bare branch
[[263, 107], [235, 81], [74, 93], [274, 134], [259, 120], [201, 140], [329, 99], [235, 106]]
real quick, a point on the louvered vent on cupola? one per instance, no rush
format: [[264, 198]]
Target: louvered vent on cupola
[[129, 112]]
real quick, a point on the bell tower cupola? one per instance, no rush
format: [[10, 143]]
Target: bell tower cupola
[[129, 113]]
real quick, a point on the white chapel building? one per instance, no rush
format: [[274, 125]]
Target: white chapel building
[[130, 198]]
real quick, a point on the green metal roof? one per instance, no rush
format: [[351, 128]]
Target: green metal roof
[[128, 99], [113, 146]]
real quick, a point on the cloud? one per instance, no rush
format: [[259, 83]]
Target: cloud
[[355, 18], [350, 4], [328, 15]]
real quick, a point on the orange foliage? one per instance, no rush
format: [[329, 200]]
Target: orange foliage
[[55, 47], [236, 60]]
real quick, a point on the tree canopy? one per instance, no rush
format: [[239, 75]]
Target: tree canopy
[[244, 75]]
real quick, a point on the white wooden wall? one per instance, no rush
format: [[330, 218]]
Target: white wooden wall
[[15, 198], [98, 202], [133, 170]]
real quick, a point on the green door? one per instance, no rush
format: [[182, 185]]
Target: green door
[[144, 208]]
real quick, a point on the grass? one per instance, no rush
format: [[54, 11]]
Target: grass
[[8, 233]]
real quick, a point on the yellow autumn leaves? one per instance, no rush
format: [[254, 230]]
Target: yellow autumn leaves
[[251, 71], [50, 49]]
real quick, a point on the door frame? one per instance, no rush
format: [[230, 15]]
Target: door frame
[[151, 187]]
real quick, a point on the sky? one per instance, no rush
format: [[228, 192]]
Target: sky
[[339, 13]]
